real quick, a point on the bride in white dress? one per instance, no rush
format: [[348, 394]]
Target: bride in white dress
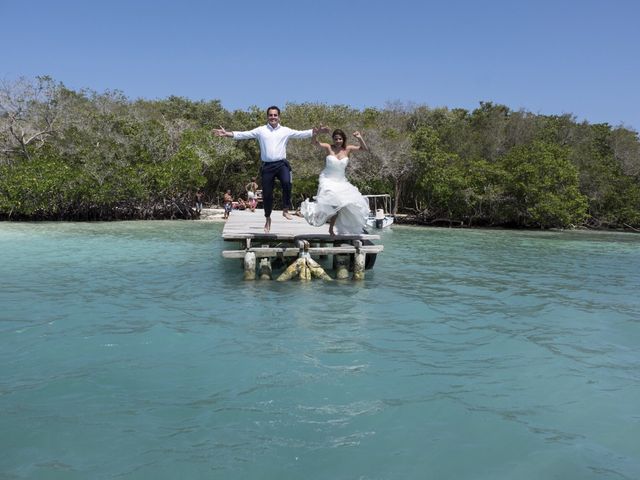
[[337, 200]]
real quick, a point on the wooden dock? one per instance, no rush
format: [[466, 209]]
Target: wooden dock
[[295, 246]]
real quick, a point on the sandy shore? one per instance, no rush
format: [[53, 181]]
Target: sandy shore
[[212, 214], [217, 214]]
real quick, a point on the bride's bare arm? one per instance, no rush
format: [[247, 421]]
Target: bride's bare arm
[[361, 144], [315, 141]]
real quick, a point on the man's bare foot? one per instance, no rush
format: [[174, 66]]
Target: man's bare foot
[[267, 225], [331, 232], [286, 214]]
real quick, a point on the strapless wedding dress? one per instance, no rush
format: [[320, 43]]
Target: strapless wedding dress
[[336, 194]]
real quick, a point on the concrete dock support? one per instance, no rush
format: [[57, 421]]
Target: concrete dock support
[[250, 266]]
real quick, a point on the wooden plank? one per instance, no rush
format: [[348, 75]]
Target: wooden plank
[[262, 252], [244, 224]]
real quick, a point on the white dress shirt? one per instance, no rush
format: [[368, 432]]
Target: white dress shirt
[[273, 141]]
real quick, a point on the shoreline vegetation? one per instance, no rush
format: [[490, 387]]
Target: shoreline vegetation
[[82, 155]]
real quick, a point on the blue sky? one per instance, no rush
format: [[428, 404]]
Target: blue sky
[[544, 56]]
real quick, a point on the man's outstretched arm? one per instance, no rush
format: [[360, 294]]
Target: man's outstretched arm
[[221, 132]]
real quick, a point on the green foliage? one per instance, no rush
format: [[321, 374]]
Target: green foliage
[[305, 188], [98, 169], [612, 194], [453, 188], [484, 196], [543, 186], [101, 155], [39, 187], [440, 179]]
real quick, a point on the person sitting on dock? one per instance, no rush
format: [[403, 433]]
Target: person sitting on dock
[[240, 204], [273, 139], [252, 188]]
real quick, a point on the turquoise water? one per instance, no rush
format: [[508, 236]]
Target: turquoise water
[[134, 351]]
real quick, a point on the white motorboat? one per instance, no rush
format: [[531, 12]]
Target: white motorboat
[[379, 211]]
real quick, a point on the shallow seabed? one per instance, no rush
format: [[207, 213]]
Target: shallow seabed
[[133, 350]]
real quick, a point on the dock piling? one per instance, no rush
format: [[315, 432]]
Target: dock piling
[[250, 266], [265, 269]]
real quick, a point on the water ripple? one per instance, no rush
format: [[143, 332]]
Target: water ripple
[[513, 351]]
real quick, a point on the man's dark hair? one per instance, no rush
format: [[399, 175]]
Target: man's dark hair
[[273, 107]]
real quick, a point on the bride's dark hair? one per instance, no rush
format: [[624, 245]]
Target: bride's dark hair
[[337, 131]]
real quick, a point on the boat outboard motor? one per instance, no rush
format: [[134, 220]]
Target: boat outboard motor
[[379, 218]]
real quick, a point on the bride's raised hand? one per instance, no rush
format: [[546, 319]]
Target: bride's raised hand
[[362, 146]]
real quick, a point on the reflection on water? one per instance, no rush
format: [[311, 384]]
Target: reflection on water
[[133, 350]]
